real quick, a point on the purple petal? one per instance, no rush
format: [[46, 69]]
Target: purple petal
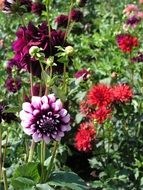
[[61, 134], [51, 98], [24, 116], [46, 139], [63, 112], [65, 128], [35, 112], [25, 124], [44, 99], [57, 105], [28, 131], [36, 137], [66, 119], [27, 107], [36, 102], [45, 106], [58, 138]]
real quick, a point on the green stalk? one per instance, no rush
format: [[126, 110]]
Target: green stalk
[[43, 153], [56, 144], [4, 152], [31, 152], [5, 179]]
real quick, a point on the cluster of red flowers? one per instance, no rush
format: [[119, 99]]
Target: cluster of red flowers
[[126, 42], [85, 137], [99, 106]]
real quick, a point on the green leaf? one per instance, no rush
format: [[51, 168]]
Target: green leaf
[[26, 175], [67, 179], [43, 187], [22, 183]]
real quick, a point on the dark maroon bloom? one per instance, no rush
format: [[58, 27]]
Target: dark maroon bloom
[[62, 21], [84, 74], [76, 15], [7, 117], [13, 84], [133, 21], [35, 36], [38, 7], [138, 58]]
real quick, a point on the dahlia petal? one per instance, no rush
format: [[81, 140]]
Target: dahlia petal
[[36, 102], [27, 107], [44, 99], [46, 139], [65, 128], [51, 98], [36, 137], [28, 131], [57, 105], [61, 134], [66, 119], [25, 124], [35, 112], [45, 106], [63, 112], [58, 138], [26, 116]]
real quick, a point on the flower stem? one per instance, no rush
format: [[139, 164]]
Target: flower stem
[[5, 179], [56, 144], [4, 152], [43, 151], [31, 152], [31, 80]]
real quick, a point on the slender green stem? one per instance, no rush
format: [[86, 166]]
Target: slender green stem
[[4, 152], [31, 152], [43, 153], [56, 144], [48, 21], [69, 19], [0, 152], [65, 78], [5, 179], [31, 80]]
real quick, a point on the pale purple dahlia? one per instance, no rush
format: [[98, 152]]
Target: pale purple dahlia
[[45, 118]]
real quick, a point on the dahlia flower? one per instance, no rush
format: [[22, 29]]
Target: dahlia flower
[[13, 84], [85, 137], [76, 15], [133, 21], [61, 20], [44, 118], [122, 93], [35, 36], [37, 8], [131, 8], [99, 95], [126, 42]]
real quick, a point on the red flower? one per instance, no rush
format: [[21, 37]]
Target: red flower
[[85, 137], [126, 42], [99, 95], [101, 114], [62, 20], [122, 93], [76, 15]]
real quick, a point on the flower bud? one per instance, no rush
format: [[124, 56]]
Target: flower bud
[[69, 50]]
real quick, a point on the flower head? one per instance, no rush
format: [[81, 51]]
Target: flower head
[[126, 42], [13, 84], [76, 15], [61, 20], [99, 95], [101, 114], [133, 21], [45, 118], [81, 3], [85, 137], [138, 58], [131, 8], [122, 93], [37, 8], [84, 74]]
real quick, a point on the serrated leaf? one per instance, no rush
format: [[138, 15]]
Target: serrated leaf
[[22, 183], [67, 179]]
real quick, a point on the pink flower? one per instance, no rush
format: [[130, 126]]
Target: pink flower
[[45, 118], [131, 8]]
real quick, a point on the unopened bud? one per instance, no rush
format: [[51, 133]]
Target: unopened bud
[[69, 50]]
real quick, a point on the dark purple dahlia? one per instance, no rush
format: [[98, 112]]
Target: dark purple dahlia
[[44, 118], [35, 36], [38, 7], [84, 74], [76, 15], [133, 21], [13, 6], [62, 21], [5, 116], [13, 84]]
